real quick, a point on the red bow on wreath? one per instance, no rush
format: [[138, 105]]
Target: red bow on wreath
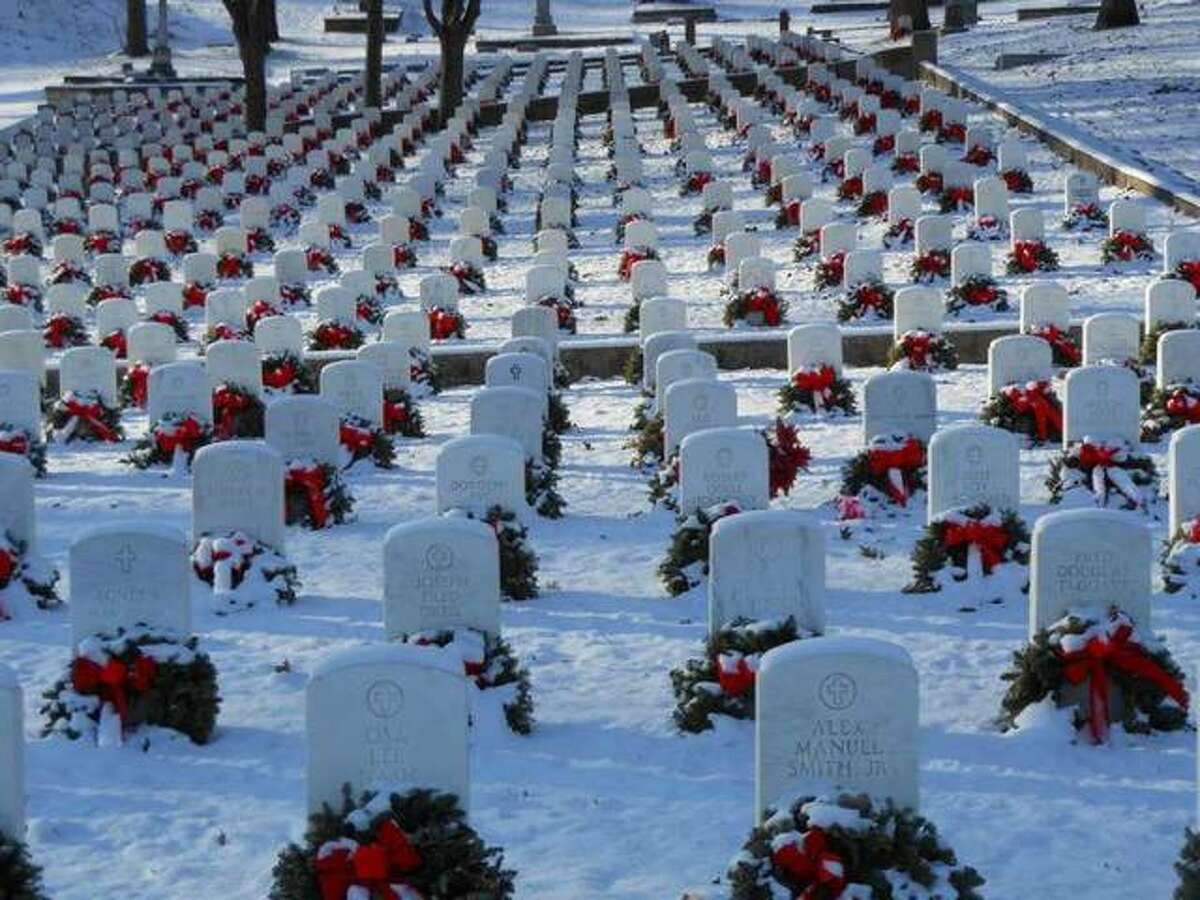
[[21, 294], [194, 295], [442, 324], [374, 867], [230, 265], [1105, 653], [810, 861], [401, 256], [138, 378], [791, 212], [763, 171], [227, 405], [91, 414], [1104, 461], [697, 182], [1127, 244], [58, 330], [115, 341], [178, 242], [1190, 271], [16, 443], [979, 294], [395, 415], [764, 302], [1184, 405], [736, 673], [957, 197], [917, 346], [899, 465], [1036, 398], [8, 568], [279, 376], [112, 681], [833, 268], [184, 435], [868, 298], [819, 382], [629, 259], [1060, 341], [991, 540], [311, 480], [317, 258], [357, 440], [1025, 254]]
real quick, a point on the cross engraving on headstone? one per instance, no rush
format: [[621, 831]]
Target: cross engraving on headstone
[[838, 691], [125, 558], [515, 370]]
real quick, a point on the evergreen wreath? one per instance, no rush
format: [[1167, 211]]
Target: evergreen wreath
[[148, 270], [490, 663], [956, 199], [1189, 271], [1081, 649], [20, 877], [930, 266], [1112, 473], [806, 246], [829, 272], [1181, 560], [1025, 257], [786, 456], [401, 415], [225, 331], [899, 234], [686, 562], [62, 331], [907, 164], [817, 390], [195, 294], [237, 413], [722, 681], [286, 373], [633, 317], [1148, 351], [319, 259], [445, 324], [631, 371], [997, 536], [630, 257], [873, 205], [23, 243], [422, 371], [929, 182], [564, 312], [25, 443], [67, 271], [1125, 247], [362, 439], [558, 417], [295, 293], [923, 351], [1031, 409], [242, 571], [140, 675], [759, 308], [1064, 351], [821, 848], [1017, 181], [1170, 409], [1085, 217], [418, 840], [866, 301], [316, 495], [647, 442], [887, 473], [83, 417], [336, 336], [369, 308], [976, 292], [173, 320], [788, 215], [95, 297], [987, 228], [470, 278], [541, 479], [1188, 867], [18, 569], [850, 188], [173, 437]]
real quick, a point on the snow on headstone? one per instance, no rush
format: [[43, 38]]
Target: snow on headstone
[[84, 370], [20, 400], [917, 308], [179, 389], [659, 314], [819, 344], [1110, 336], [695, 404], [303, 428], [1179, 358], [355, 388], [1183, 465], [17, 519], [678, 365], [656, 345]]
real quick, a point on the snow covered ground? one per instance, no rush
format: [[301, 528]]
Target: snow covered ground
[[605, 799]]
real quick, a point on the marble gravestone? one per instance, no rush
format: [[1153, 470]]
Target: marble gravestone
[[1102, 403], [179, 389], [1183, 465], [694, 404], [723, 465], [238, 486], [973, 464], [304, 428], [20, 401], [122, 575], [1018, 359], [386, 717], [17, 517], [441, 573], [903, 403], [836, 714], [479, 471], [767, 564], [511, 412]]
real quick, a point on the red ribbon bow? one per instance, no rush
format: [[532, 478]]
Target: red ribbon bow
[[443, 324], [178, 242], [1036, 398], [697, 182], [20, 294], [1190, 271], [8, 567], [185, 435], [818, 381], [194, 294], [227, 404], [395, 415], [764, 302], [1093, 455], [735, 676], [992, 540], [358, 441], [1060, 341], [311, 480], [899, 465], [375, 866], [17, 443], [91, 415], [917, 347], [317, 258], [113, 680], [1108, 652], [138, 377], [833, 268], [57, 330], [230, 265], [279, 376], [1184, 405], [116, 342], [1025, 254], [402, 256], [629, 259], [809, 860]]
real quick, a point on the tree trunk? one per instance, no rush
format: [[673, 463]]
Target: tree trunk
[[375, 40], [917, 10], [135, 28], [254, 67], [1117, 14], [451, 91], [271, 14]]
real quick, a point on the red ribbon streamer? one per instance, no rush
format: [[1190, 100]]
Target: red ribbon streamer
[[184, 435], [113, 681], [358, 441], [811, 862], [311, 480], [906, 460], [375, 866], [1037, 399], [91, 415], [992, 540], [227, 404]]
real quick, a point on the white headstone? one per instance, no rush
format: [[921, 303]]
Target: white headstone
[[1110, 336], [917, 308], [238, 486], [12, 756], [1179, 358], [17, 519], [1018, 359], [355, 388], [696, 404], [479, 471], [303, 428], [900, 402], [179, 389], [20, 400], [1101, 403], [720, 465], [973, 464], [1183, 463], [89, 369], [512, 412], [819, 344]]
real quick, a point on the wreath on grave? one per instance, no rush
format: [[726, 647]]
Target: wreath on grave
[[1188, 867], [987, 228], [260, 309], [225, 331], [976, 292], [411, 845], [340, 238], [817, 389], [929, 267], [923, 351], [541, 478], [1170, 409], [647, 442], [285, 372], [83, 417], [259, 240], [1025, 257], [930, 121], [174, 321], [721, 682], [401, 415], [23, 243], [686, 563], [702, 224], [850, 188], [470, 278], [788, 215], [1017, 181], [316, 496], [1111, 473], [758, 308], [445, 324], [24, 443], [179, 243], [1032, 409], [1126, 246], [1085, 217], [195, 294], [233, 266], [285, 219], [404, 255], [1064, 351], [957, 199], [899, 234], [22, 879], [490, 663], [1100, 653], [117, 342], [929, 182], [27, 295], [1181, 559], [295, 293], [786, 456], [883, 145], [100, 242], [828, 847], [630, 257], [148, 270], [873, 205], [368, 307], [1148, 351], [336, 336], [362, 439], [564, 312], [39, 580], [237, 413], [68, 271], [172, 438], [866, 301], [357, 213], [806, 245], [908, 164], [631, 369], [320, 259], [829, 272], [422, 372], [979, 155], [952, 133], [133, 677], [998, 537], [241, 571], [887, 473]]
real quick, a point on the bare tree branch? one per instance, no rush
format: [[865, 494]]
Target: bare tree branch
[[430, 17], [470, 16]]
